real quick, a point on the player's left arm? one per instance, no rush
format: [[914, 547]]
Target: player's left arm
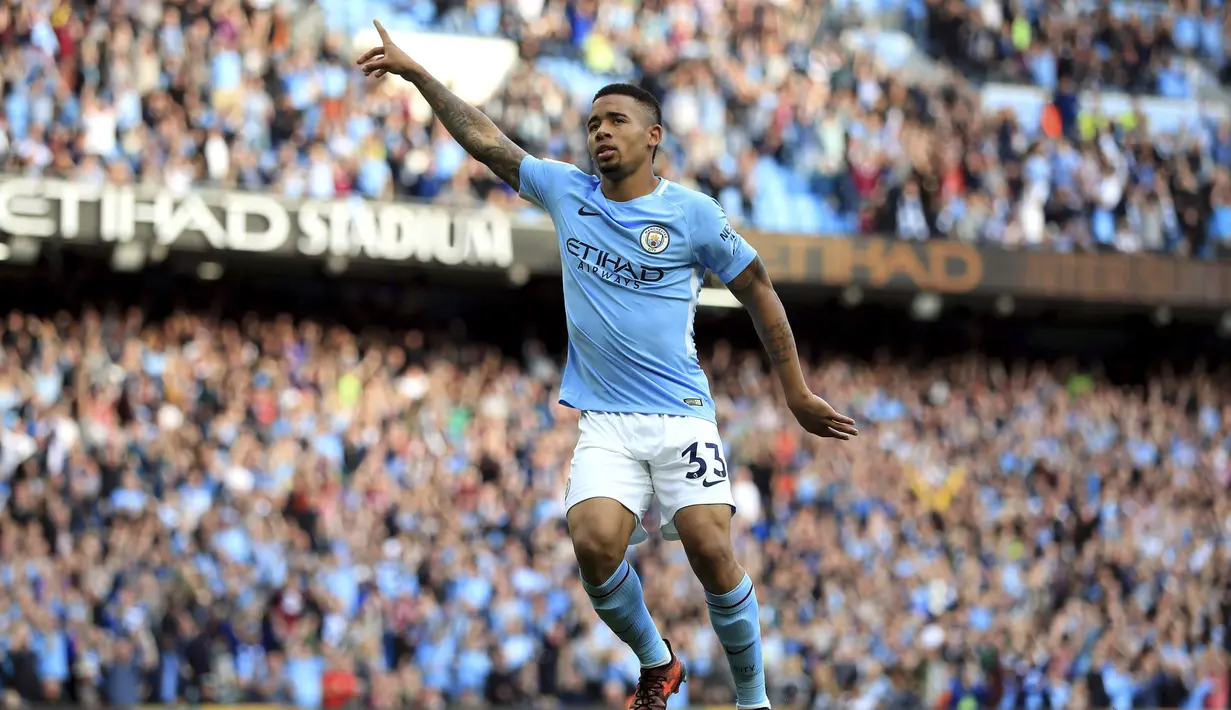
[[723, 251], [753, 289]]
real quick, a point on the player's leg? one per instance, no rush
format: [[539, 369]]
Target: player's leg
[[600, 529], [694, 493], [608, 492], [705, 531]]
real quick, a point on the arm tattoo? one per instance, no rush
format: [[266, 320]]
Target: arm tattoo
[[773, 328], [754, 289], [779, 342], [473, 130]]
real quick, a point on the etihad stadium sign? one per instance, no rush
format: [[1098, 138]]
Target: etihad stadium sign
[[255, 223]]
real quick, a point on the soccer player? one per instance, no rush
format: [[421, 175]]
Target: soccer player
[[634, 248]]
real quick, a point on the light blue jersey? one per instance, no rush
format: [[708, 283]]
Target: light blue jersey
[[632, 274]]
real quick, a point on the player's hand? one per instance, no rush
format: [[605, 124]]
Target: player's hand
[[817, 417], [387, 58]]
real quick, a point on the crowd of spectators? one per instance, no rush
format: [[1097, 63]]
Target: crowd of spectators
[[766, 109], [1138, 47], [280, 511]]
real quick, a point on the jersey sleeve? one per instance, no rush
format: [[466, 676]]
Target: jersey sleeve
[[543, 180], [716, 244]]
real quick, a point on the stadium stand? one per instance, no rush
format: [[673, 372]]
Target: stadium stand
[[791, 124], [282, 489], [1138, 47]]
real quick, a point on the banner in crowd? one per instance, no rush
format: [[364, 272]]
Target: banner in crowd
[[954, 267], [418, 234], [255, 223]]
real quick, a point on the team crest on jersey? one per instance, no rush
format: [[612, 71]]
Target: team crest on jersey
[[655, 239]]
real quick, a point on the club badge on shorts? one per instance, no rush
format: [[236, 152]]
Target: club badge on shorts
[[655, 239]]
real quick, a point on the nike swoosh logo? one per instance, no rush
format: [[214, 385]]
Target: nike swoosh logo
[[736, 653], [707, 484], [586, 213]]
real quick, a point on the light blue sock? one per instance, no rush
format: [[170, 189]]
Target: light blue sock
[[736, 619], [620, 605]]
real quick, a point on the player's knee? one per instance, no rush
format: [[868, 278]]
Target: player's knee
[[600, 529], [710, 552], [599, 550], [598, 555], [705, 531]]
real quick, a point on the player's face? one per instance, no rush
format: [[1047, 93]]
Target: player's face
[[621, 135]]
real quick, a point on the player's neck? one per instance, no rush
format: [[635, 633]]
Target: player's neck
[[630, 187]]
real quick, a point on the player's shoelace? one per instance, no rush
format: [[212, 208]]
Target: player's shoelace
[[650, 692]]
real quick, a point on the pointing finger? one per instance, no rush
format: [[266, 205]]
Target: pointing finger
[[380, 29]]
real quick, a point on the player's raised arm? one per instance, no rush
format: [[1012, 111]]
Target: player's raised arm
[[753, 289], [469, 126]]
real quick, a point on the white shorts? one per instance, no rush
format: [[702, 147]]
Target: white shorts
[[637, 458]]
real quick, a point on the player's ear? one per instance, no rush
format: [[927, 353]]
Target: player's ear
[[656, 136]]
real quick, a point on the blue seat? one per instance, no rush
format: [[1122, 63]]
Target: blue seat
[[797, 184], [832, 222], [772, 211], [802, 215], [768, 176]]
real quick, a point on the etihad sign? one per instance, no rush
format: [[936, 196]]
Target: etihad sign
[[255, 223]]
